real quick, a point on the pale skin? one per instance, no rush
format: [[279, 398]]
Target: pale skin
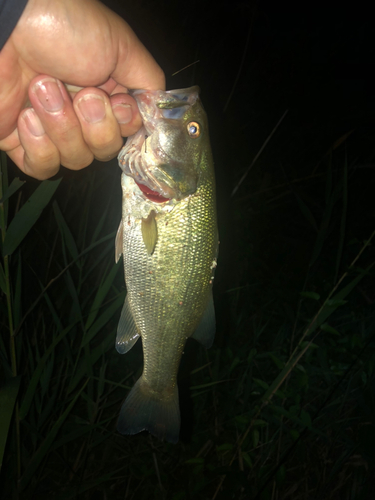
[[80, 43]]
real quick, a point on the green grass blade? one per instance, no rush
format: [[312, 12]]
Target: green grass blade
[[62, 273], [103, 319], [322, 233], [45, 380], [331, 304], [30, 392], [43, 450], [72, 493], [2, 279], [99, 225], [101, 295], [101, 383], [4, 362], [28, 215], [81, 431], [76, 312], [8, 397], [325, 311], [49, 402], [306, 212], [65, 232], [15, 185], [17, 308], [102, 348], [52, 310]]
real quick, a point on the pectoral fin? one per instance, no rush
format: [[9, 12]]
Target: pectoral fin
[[118, 243], [150, 232], [127, 332], [205, 332]]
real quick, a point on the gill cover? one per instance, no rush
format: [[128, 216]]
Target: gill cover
[[164, 154]]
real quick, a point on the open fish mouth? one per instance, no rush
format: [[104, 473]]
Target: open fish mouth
[[139, 162], [150, 156]]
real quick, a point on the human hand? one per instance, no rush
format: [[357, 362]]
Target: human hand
[[83, 44]]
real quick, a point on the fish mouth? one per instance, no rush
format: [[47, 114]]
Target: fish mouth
[[140, 162], [151, 194], [148, 156]]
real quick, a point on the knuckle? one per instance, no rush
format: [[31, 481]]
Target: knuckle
[[40, 171], [77, 163], [42, 162], [108, 147]]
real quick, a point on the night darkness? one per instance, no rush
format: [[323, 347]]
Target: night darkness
[[292, 229]]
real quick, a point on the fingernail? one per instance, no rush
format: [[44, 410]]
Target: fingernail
[[33, 123], [49, 94], [92, 108], [122, 112]]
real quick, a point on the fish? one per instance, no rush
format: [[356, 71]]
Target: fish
[[168, 237]]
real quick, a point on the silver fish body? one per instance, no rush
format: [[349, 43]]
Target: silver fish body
[[169, 240]]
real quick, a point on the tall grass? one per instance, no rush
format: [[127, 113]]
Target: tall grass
[[53, 351]]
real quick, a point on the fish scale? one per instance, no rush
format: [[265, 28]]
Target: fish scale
[[169, 291]]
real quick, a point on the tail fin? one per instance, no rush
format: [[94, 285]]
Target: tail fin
[[143, 410]]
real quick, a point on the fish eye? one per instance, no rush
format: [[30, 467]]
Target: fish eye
[[194, 129]]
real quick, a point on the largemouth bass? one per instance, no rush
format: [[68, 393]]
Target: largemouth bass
[[169, 240]]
